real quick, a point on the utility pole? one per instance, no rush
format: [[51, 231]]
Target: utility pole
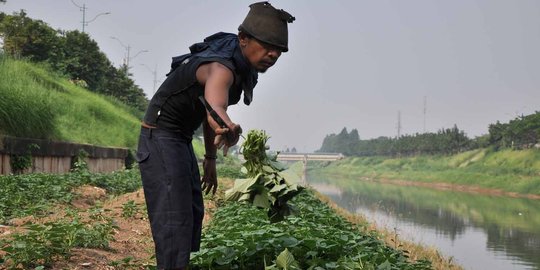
[[128, 50], [399, 124], [83, 9], [425, 111], [154, 72]]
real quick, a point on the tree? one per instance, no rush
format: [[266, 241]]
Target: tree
[[33, 39], [84, 60], [120, 85], [70, 52]]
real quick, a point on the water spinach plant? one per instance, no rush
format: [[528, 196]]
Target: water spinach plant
[[34, 194], [265, 185], [241, 237]]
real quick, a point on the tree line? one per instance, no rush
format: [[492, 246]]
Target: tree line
[[71, 53], [522, 132]]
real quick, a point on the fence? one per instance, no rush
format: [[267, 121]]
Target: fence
[[22, 155]]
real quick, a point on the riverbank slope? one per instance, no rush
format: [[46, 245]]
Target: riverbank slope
[[509, 172]]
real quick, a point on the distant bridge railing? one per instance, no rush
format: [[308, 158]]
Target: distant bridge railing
[[309, 156]]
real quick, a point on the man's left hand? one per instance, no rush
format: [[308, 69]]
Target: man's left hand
[[209, 179]]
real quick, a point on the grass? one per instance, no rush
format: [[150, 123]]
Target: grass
[[508, 170], [38, 103]]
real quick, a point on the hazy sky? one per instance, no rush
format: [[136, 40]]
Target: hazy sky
[[351, 64]]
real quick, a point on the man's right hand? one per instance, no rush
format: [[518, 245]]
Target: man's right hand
[[227, 137]]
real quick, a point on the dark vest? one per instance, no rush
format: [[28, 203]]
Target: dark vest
[[176, 106]]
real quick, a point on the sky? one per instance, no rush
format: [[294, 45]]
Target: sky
[[353, 64]]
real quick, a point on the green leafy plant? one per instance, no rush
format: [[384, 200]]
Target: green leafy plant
[[80, 164], [265, 185], [242, 237], [42, 243], [130, 209], [19, 163], [34, 194]]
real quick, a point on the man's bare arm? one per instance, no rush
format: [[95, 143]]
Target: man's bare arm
[[217, 79]]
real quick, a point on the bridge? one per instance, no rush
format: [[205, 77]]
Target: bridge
[[309, 156], [304, 157]]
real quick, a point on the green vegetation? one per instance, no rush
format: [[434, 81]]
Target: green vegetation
[[241, 237], [509, 170], [42, 243], [53, 108], [445, 141], [71, 53], [265, 185], [520, 133], [130, 209], [35, 194]]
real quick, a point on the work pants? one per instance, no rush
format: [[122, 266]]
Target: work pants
[[172, 190]]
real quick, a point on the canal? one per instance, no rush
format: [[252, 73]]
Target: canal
[[478, 231]]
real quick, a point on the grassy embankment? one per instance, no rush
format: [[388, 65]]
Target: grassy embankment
[[38, 103], [507, 170]]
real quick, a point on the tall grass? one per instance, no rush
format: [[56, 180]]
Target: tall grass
[[509, 170], [26, 107], [37, 103]]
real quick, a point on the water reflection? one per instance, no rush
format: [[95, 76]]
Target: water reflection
[[481, 232]]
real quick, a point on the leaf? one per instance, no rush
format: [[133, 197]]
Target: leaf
[[268, 169], [278, 188], [278, 165], [261, 200], [384, 266], [286, 260], [244, 197], [289, 241], [241, 186], [291, 177]]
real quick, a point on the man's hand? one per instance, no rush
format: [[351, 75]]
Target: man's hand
[[209, 179], [227, 137]]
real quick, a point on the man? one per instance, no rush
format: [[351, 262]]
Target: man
[[199, 88]]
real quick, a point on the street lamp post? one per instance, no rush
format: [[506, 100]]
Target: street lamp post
[[154, 72], [83, 9], [128, 50]]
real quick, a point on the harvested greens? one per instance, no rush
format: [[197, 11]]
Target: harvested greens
[[265, 185]]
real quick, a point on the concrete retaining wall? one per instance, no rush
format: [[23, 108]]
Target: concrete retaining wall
[[59, 157]]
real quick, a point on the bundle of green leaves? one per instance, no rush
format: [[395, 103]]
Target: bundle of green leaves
[[267, 185]]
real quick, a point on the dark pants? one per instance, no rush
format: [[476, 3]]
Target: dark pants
[[172, 189]]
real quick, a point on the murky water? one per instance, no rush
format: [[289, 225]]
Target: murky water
[[478, 231]]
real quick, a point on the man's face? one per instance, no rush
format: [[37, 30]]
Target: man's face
[[261, 55]]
